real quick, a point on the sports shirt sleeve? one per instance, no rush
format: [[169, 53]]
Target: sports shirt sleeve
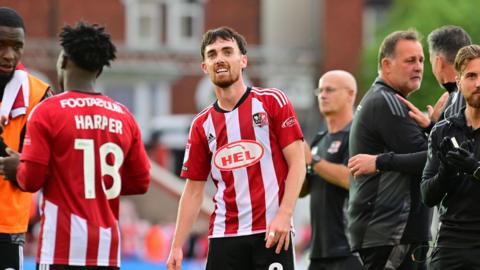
[[287, 127], [398, 131], [136, 170], [38, 139], [197, 159], [433, 188], [402, 162]]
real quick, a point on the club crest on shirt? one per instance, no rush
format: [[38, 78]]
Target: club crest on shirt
[[238, 154], [334, 146], [260, 119]]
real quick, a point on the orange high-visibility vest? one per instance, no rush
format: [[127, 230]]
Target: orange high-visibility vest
[[15, 204]]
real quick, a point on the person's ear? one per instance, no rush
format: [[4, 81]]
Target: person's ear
[[386, 65], [440, 62], [99, 72], [64, 62], [244, 61]]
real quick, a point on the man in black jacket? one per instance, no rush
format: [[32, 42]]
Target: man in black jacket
[[386, 220], [451, 176]]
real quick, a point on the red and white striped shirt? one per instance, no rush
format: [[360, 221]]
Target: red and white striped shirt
[[93, 150], [241, 151]]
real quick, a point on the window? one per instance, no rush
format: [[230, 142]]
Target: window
[[185, 23], [173, 23]]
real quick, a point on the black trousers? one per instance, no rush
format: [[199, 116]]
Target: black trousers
[[455, 258], [247, 252], [395, 257]]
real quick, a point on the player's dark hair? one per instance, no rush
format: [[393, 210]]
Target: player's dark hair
[[89, 46], [225, 33], [447, 40], [9, 17], [387, 48]]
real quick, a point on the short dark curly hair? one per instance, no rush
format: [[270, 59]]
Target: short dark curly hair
[[9, 17], [89, 46]]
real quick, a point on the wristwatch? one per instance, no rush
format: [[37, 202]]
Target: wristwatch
[[315, 159]]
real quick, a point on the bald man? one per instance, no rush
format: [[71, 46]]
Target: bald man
[[327, 177]]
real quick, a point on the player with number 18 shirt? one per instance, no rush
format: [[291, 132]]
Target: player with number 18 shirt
[[85, 150]]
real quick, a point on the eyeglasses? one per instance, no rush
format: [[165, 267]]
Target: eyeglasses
[[328, 90]]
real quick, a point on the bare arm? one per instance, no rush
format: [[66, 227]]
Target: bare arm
[[336, 174], [280, 225], [188, 210]]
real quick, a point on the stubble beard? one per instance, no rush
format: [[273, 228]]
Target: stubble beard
[[225, 83], [474, 101]]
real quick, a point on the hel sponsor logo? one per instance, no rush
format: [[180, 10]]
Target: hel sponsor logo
[[260, 119], [290, 122], [238, 154], [334, 146]]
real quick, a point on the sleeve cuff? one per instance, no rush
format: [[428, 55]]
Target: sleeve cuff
[[383, 161], [429, 128]]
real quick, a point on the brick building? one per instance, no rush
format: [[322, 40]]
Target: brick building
[[157, 74]]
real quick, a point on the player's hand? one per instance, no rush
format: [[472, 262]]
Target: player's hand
[[9, 165], [174, 261], [418, 116], [362, 164], [435, 111], [463, 160], [279, 232]]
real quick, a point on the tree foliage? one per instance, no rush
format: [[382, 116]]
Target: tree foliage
[[424, 16]]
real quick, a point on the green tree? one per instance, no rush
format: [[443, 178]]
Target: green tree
[[424, 16]]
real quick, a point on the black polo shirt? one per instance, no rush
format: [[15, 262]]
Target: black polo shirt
[[328, 202]]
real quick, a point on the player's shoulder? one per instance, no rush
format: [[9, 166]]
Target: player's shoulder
[[386, 102], [202, 116], [270, 95]]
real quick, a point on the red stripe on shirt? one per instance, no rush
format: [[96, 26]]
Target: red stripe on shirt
[[62, 238], [229, 195], [93, 238]]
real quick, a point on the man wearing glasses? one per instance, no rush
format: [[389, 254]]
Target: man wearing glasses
[[327, 174]]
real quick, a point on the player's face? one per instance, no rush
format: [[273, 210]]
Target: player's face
[[60, 71], [469, 83], [404, 70], [224, 62], [12, 40], [333, 95]]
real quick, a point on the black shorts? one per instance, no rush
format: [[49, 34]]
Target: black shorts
[[11, 256], [70, 267], [336, 263], [247, 252]]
